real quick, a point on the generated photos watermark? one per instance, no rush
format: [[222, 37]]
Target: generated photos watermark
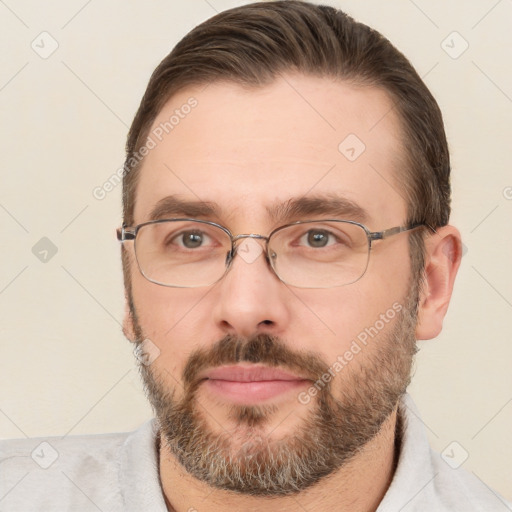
[[154, 138]]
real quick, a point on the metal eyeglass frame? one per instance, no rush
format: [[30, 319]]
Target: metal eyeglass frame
[[126, 233]]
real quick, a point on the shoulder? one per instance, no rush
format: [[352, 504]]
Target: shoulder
[[60, 473], [425, 481], [459, 489]]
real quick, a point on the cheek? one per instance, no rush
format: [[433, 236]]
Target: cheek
[[166, 317], [160, 307], [360, 312], [169, 317], [360, 355], [389, 267]]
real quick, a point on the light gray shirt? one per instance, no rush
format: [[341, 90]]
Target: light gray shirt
[[119, 472]]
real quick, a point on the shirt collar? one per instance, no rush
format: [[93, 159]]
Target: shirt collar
[[414, 471], [139, 475]]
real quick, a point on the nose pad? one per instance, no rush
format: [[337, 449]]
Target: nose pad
[[249, 248], [229, 257]]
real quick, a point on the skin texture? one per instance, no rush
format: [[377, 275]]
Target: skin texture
[[249, 150]]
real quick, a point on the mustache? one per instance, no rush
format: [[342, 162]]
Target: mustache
[[260, 349]]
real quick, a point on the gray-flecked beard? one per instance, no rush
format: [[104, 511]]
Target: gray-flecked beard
[[336, 427]]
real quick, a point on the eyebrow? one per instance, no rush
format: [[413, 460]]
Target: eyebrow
[[294, 209], [172, 206], [332, 205]]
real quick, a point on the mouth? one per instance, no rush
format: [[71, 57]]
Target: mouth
[[250, 384]]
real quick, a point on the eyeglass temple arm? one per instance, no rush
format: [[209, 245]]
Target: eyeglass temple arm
[[380, 235], [125, 233]]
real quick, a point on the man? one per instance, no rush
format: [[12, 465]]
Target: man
[[285, 243]]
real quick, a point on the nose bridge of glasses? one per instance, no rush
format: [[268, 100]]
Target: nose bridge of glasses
[[247, 247], [253, 236]]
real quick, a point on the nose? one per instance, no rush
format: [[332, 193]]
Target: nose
[[250, 298]]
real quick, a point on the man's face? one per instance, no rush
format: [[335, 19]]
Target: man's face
[[251, 152]]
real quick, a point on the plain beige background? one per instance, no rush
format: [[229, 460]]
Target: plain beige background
[[65, 367]]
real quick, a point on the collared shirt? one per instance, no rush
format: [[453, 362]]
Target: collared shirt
[[119, 473]]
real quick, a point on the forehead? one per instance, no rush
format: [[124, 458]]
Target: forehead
[[249, 150]]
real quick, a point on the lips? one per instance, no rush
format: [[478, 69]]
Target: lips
[[249, 374], [250, 384]]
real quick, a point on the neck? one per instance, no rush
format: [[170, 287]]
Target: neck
[[358, 486]]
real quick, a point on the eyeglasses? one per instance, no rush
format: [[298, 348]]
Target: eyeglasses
[[189, 253]]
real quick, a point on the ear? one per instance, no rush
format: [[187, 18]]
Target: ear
[[443, 252], [128, 324]]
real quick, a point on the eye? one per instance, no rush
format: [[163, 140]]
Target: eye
[[191, 239], [317, 238]]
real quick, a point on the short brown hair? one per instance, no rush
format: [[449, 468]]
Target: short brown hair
[[252, 44]]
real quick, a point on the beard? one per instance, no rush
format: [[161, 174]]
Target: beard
[[338, 424]]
